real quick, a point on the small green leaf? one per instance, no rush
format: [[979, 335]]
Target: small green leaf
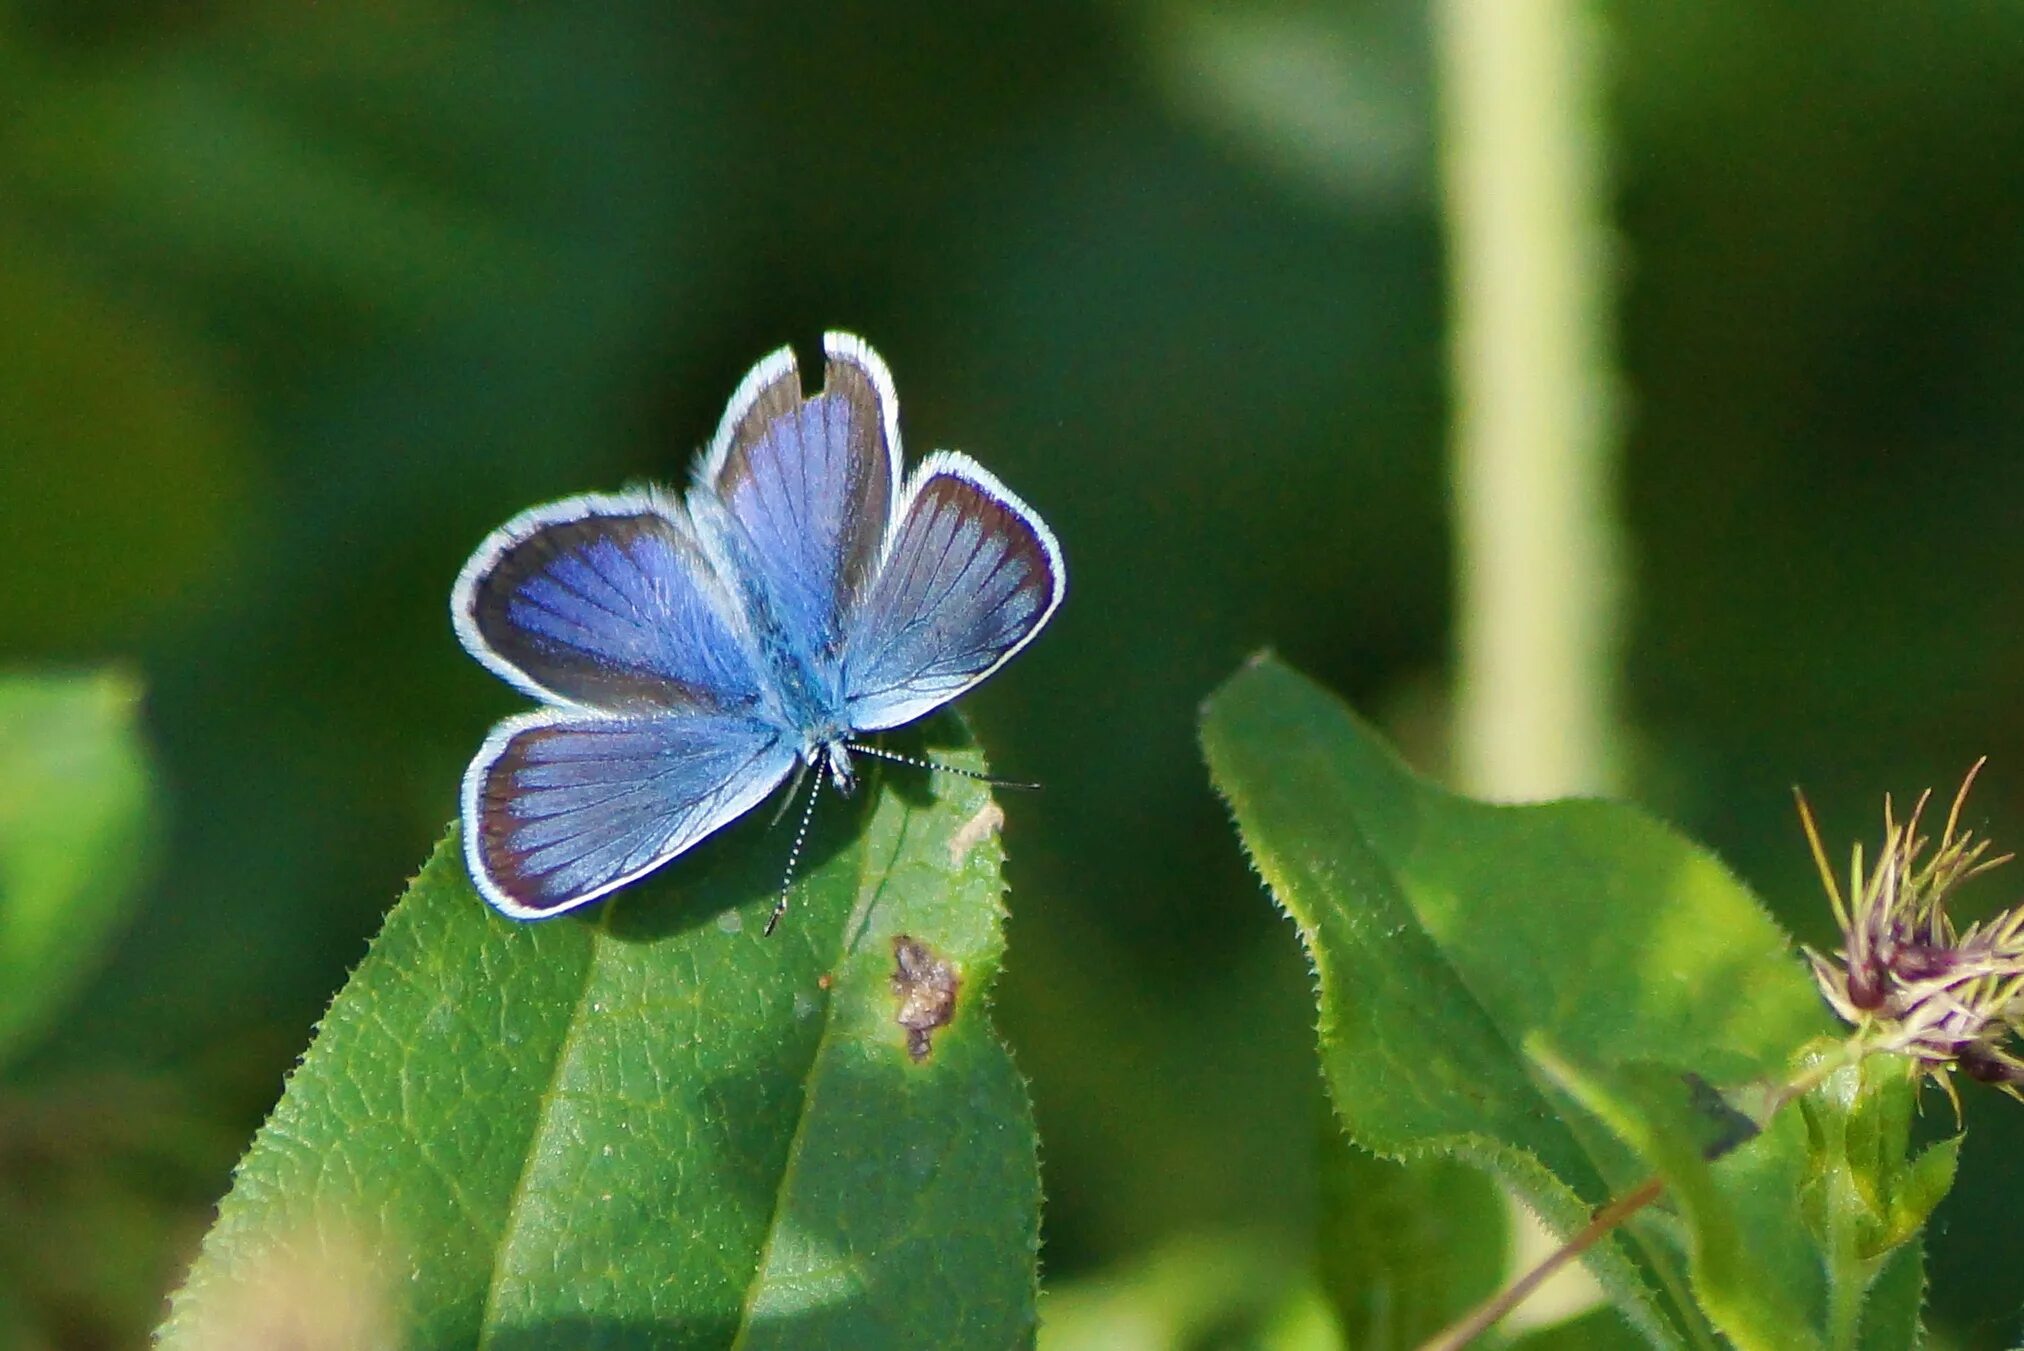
[[1863, 1181], [1445, 933], [1866, 1198], [73, 835], [1921, 1187], [651, 1126], [1893, 1315]]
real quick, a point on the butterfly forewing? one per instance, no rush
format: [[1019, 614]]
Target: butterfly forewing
[[605, 602], [559, 810], [801, 489], [970, 577]]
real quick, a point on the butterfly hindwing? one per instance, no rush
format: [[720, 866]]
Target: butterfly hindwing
[[969, 576], [606, 602], [560, 809]]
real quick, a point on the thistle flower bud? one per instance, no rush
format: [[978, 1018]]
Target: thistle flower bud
[[1905, 977]]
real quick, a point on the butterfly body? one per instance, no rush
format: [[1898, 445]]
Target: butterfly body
[[690, 650]]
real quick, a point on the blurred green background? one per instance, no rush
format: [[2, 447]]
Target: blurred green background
[[298, 301]]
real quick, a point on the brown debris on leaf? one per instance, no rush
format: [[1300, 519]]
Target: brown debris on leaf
[[926, 987], [973, 832]]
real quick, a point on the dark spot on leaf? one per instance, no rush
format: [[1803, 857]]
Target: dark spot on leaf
[[1728, 1128], [926, 986]]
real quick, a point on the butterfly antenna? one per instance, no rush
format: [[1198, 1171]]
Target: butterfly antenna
[[878, 753], [794, 854]]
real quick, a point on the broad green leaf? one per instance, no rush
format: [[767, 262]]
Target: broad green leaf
[[1406, 1247], [74, 835], [648, 1125], [1445, 932]]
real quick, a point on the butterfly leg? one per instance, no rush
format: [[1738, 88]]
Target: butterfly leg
[[787, 800], [837, 755]]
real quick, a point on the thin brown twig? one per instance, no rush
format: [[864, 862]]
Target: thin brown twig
[[1479, 1319]]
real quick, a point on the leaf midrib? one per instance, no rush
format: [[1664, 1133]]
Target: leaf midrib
[[515, 1208], [815, 1062]]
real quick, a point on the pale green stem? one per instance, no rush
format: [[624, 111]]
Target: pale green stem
[[1847, 1281], [1848, 1275], [1536, 555], [1537, 566]]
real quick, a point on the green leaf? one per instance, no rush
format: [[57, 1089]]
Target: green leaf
[[1866, 1197], [1445, 933], [74, 835], [1755, 1269], [1807, 1235], [1893, 1314], [1863, 1184], [651, 1126], [1406, 1247]]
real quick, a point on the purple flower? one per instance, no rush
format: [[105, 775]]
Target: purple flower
[[1905, 977]]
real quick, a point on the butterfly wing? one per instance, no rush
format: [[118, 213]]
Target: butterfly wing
[[796, 492], [560, 808], [607, 602], [968, 577]]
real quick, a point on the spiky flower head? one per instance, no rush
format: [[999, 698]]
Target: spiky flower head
[[1906, 978]]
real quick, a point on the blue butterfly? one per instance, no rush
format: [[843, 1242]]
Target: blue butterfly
[[690, 651]]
